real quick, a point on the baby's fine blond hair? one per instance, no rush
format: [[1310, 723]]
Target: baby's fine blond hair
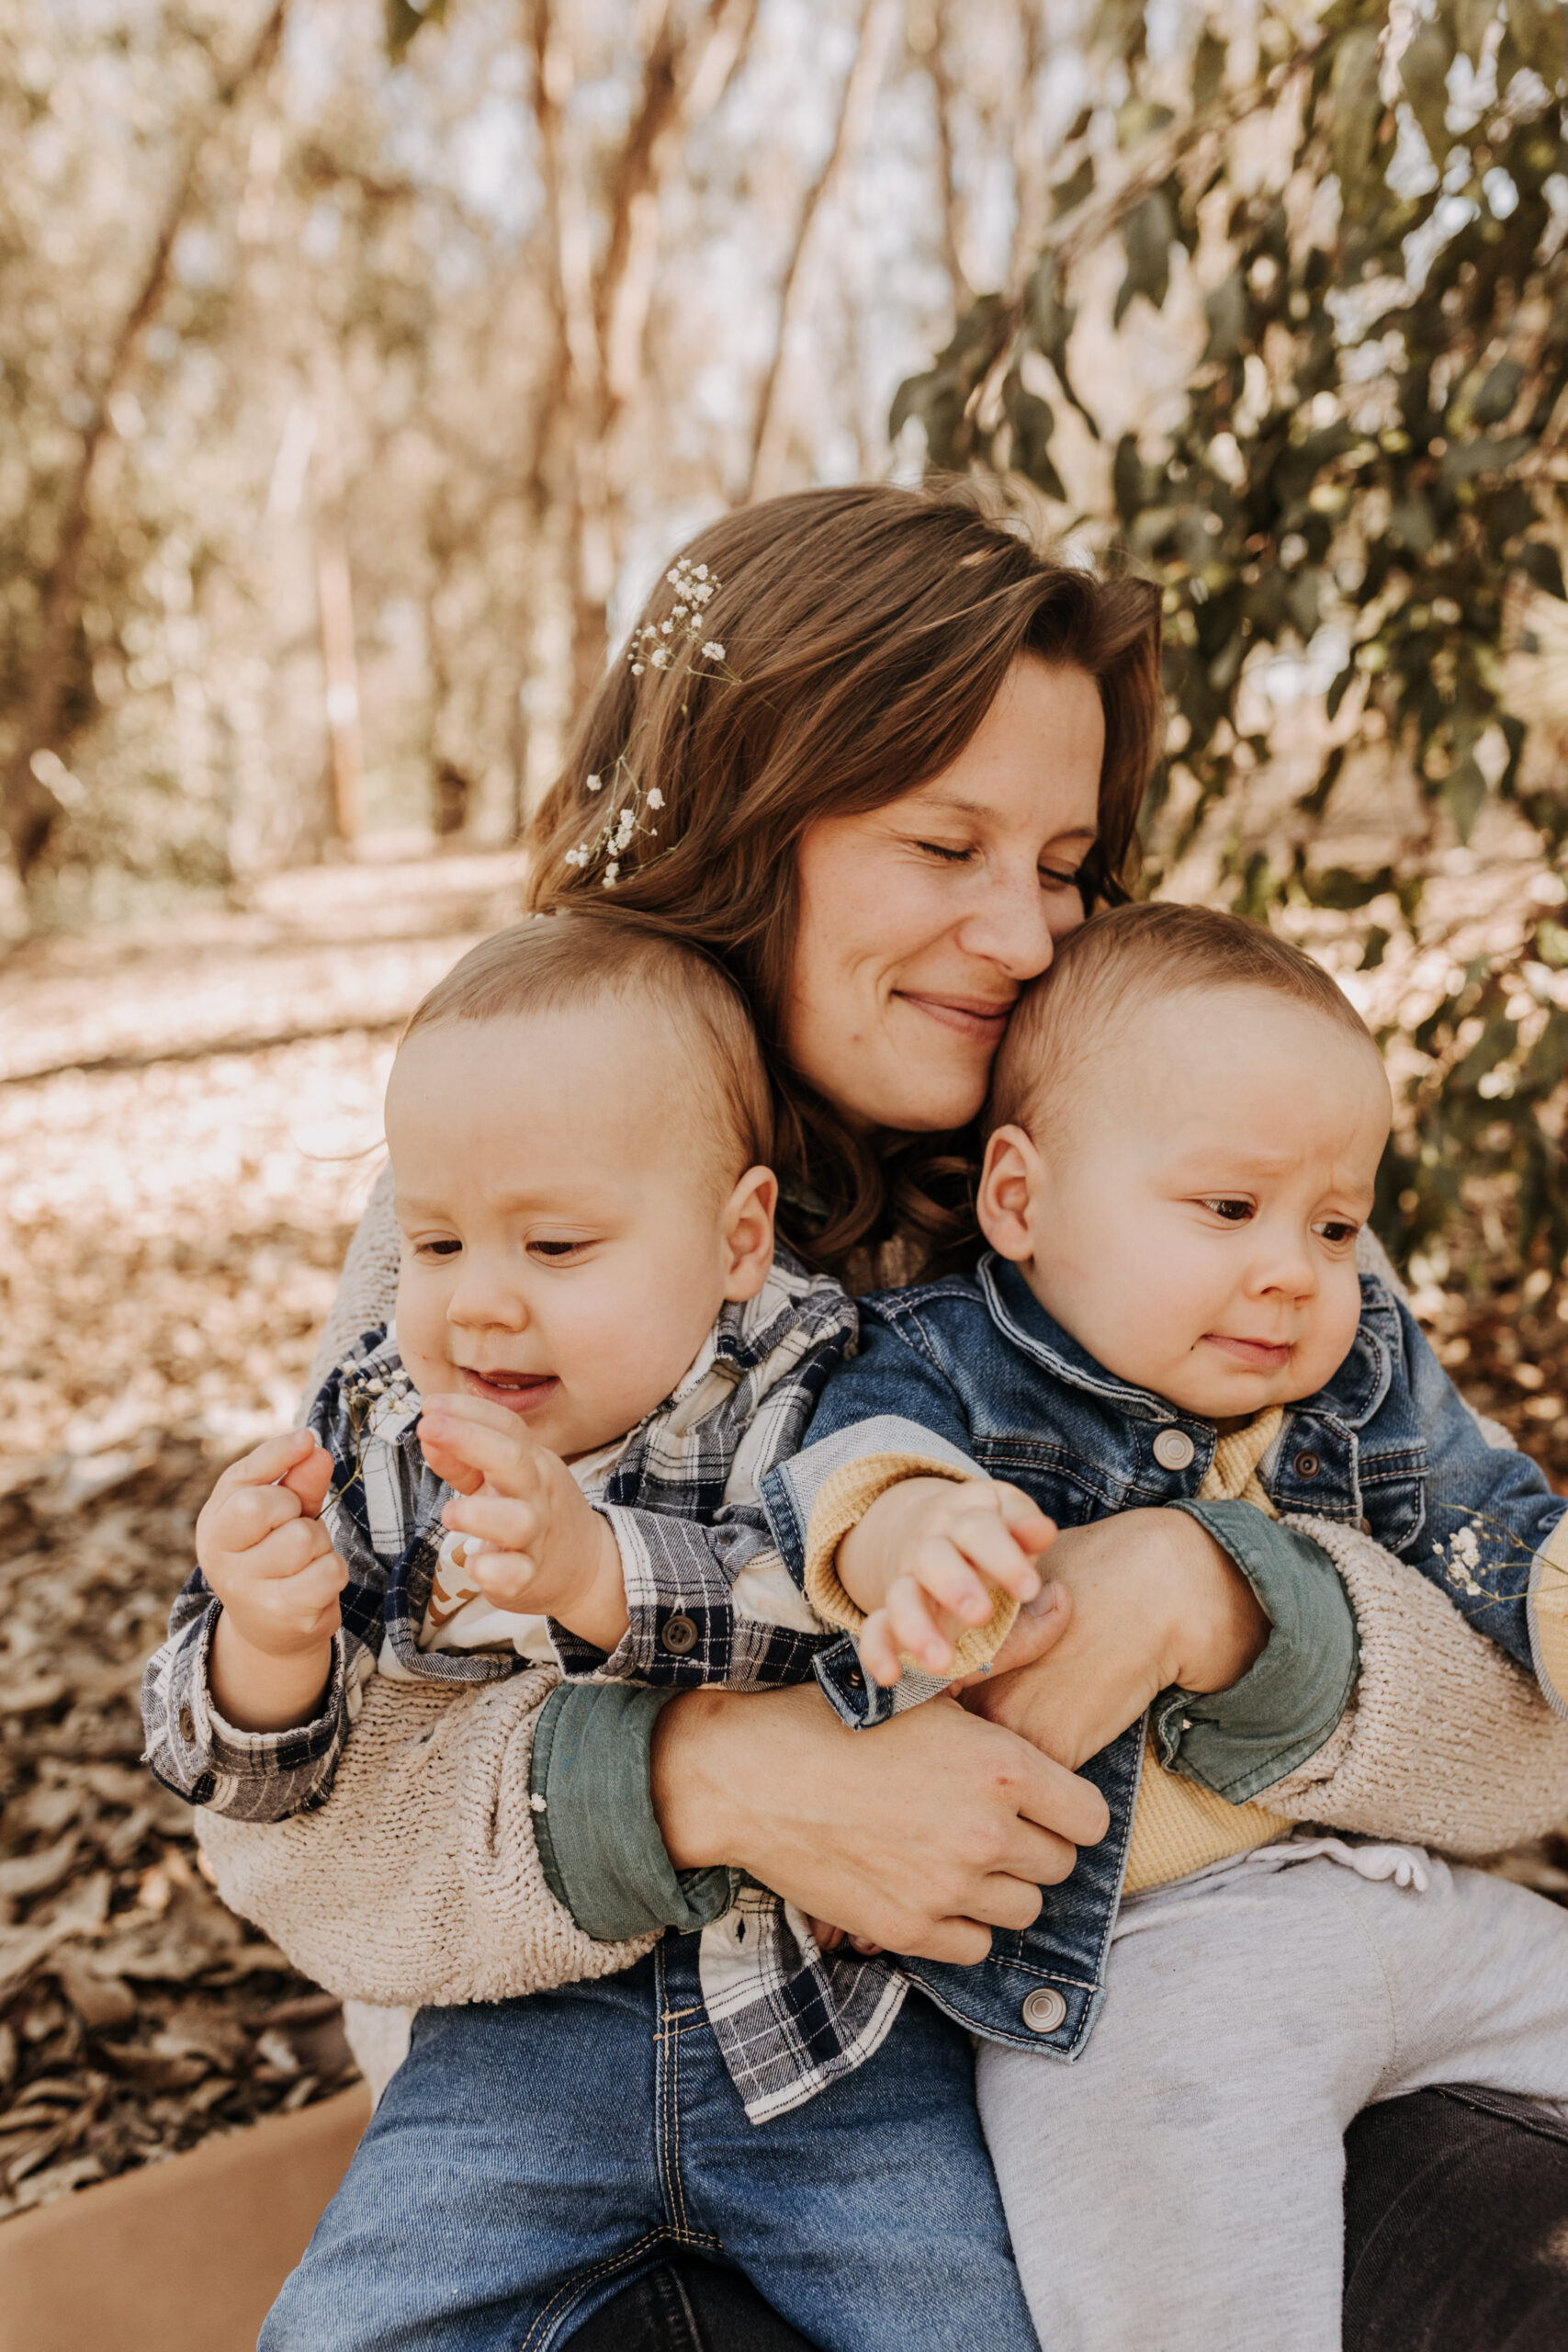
[[1102, 975]]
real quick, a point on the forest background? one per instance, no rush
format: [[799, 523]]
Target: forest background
[[361, 365]]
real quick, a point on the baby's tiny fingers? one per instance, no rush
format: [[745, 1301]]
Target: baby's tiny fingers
[[940, 1568], [1028, 1526], [501, 1519], [878, 1650], [914, 1630], [506, 1580], [995, 1552], [249, 1514]]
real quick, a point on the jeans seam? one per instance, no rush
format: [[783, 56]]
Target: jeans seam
[[572, 2287]]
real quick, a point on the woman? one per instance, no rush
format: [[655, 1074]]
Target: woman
[[923, 767]]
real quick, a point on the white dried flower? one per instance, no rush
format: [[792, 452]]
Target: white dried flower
[[661, 657], [637, 668], [594, 783], [713, 650], [655, 797], [612, 874]]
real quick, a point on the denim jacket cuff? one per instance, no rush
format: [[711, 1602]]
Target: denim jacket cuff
[[1240, 1742]]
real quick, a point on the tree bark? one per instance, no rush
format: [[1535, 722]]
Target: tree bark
[[26, 811], [770, 441]]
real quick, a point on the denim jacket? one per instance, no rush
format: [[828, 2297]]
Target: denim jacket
[[973, 1371]]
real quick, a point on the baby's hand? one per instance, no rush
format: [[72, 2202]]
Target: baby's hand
[[934, 1540], [263, 1551], [546, 1552]]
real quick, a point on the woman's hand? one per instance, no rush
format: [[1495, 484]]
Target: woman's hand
[[920, 1836], [1156, 1601]]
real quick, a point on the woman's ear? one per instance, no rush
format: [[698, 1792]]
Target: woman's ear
[[1008, 1183], [747, 1233]]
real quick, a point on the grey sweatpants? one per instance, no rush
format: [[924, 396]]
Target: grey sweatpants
[[1179, 2188]]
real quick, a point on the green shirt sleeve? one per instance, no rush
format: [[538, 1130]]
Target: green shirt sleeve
[[594, 1822], [1241, 1741]]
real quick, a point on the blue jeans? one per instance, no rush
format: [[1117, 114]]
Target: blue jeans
[[531, 2157]]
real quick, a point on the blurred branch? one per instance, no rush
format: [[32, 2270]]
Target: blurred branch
[[26, 810], [770, 442], [600, 314]]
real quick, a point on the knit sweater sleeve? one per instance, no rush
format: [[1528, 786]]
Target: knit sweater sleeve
[[421, 1880], [367, 1288], [1444, 1738]]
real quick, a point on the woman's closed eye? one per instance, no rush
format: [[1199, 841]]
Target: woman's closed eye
[[1052, 877]]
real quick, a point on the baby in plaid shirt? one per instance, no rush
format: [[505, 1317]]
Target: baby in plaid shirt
[[553, 1457]]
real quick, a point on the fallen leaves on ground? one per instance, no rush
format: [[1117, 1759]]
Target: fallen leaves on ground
[[169, 1236]]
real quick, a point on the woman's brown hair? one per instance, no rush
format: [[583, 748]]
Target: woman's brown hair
[[865, 633]]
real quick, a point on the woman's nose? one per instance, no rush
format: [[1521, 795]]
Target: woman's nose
[[1012, 925]]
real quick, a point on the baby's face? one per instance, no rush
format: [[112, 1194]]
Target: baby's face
[[1193, 1223], [565, 1246]]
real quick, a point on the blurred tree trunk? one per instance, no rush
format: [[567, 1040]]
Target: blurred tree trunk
[[601, 302], [879, 21], [26, 810], [334, 593]]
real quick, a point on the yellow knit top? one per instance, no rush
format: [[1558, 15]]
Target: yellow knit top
[[1177, 1827]]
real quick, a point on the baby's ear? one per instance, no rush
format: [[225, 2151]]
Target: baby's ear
[[1007, 1181], [747, 1233]]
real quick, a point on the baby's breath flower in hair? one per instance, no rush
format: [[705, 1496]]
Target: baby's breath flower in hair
[[653, 647]]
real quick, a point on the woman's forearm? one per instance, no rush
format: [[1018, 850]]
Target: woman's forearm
[[921, 1834]]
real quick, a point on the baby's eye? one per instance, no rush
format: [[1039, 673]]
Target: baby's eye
[[1235, 1211], [553, 1251], [446, 1246], [1338, 1231]]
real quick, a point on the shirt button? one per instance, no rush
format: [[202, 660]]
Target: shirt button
[[678, 1635], [1044, 2010], [1307, 1466], [1173, 1451], [188, 1726]]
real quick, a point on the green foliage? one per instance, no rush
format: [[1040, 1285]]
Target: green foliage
[[1372, 437]]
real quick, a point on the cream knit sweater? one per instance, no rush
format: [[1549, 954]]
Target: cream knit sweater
[[421, 1881]]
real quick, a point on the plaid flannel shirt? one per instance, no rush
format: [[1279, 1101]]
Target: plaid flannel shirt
[[708, 1598]]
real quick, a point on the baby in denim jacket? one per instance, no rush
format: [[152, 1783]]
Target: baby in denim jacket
[[1185, 1130]]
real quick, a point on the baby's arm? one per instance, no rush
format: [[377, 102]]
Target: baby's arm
[[927, 1541], [546, 1552]]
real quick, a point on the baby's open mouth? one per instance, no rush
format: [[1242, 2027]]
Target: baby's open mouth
[[518, 1391], [1258, 1355]]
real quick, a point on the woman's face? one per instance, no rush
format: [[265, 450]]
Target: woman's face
[[922, 921]]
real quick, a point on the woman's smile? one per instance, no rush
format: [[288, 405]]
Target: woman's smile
[[979, 1017]]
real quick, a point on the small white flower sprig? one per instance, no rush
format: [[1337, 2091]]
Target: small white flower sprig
[[654, 646], [368, 1392]]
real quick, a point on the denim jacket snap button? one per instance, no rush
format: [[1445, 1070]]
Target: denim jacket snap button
[[1307, 1466], [1044, 2009], [1173, 1451], [679, 1636]]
